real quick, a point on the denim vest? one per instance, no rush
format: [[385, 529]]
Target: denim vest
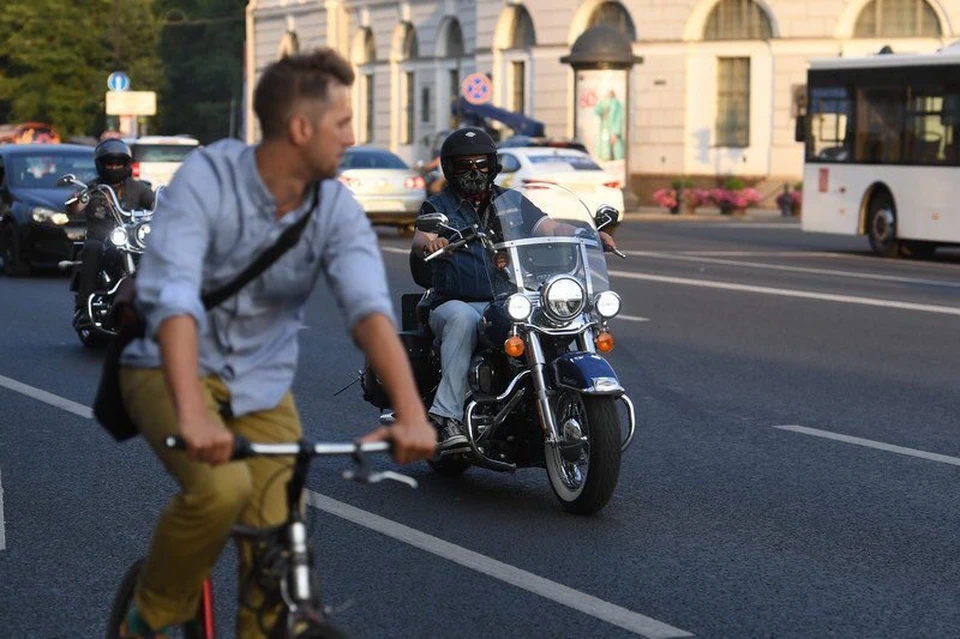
[[464, 274]]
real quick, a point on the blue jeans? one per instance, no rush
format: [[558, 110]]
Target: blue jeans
[[455, 323]]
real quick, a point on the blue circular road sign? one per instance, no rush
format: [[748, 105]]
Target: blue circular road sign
[[118, 81]]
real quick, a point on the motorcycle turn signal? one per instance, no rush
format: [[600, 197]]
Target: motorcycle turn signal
[[513, 346], [604, 342]]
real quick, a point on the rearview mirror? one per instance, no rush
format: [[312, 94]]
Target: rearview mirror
[[605, 216], [431, 222], [67, 180]]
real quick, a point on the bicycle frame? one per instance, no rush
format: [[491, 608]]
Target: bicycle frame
[[297, 592]]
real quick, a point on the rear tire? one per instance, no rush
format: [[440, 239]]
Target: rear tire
[[124, 599], [882, 226], [585, 489]]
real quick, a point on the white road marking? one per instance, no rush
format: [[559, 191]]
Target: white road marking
[[810, 295], [3, 524], [587, 604], [582, 602], [394, 249], [46, 398], [869, 443], [798, 269], [746, 225], [632, 318]]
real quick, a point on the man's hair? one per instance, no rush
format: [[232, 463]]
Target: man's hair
[[305, 75]]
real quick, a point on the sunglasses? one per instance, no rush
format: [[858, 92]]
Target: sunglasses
[[463, 164]]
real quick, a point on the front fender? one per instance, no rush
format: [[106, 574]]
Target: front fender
[[586, 373]]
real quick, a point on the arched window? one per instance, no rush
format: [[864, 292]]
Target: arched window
[[453, 40], [523, 35], [897, 18], [614, 14], [408, 51], [365, 56], [738, 20]]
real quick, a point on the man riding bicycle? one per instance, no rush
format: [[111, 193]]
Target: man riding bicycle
[[207, 375]]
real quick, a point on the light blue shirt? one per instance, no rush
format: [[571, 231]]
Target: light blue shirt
[[212, 221]]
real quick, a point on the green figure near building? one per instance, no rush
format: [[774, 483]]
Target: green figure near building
[[610, 141]]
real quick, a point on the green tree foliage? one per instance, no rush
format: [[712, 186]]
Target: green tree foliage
[[202, 49], [55, 56]]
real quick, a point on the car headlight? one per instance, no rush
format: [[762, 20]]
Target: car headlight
[[42, 214], [142, 232], [118, 236], [563, 298], [519, 307], [607, 304]]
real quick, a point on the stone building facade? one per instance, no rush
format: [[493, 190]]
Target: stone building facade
[[714, 95]]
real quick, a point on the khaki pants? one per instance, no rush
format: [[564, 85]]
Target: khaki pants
[[195, 525]]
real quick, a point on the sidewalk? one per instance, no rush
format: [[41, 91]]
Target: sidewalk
[[707, 214]]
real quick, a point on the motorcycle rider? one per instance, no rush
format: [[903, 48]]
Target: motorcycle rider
[[461, 281], [114, 168]]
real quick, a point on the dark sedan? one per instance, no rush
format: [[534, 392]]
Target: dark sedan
[[35, 230]]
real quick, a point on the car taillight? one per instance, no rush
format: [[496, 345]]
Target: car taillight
[[415, 183], [135, 169], [612, 185]]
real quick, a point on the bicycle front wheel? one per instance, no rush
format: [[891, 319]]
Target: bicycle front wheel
[[123, 600]]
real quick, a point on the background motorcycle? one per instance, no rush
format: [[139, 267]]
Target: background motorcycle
[[124, 245], [542, 395]]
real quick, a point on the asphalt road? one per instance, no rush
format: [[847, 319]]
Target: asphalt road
[[794, 473]]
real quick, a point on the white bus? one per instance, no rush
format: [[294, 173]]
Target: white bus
[[882, 157]]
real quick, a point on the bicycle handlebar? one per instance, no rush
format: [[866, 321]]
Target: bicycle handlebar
[[243, 448]]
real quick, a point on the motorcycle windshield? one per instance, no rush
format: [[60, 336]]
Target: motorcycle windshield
[[545, 231]]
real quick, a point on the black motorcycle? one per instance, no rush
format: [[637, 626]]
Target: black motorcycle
[[542, 394], [92, 319]]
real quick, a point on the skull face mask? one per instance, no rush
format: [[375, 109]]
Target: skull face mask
[[471, 175]]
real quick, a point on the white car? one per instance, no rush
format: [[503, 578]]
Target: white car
[[570, 168], [157, 157], [389, 191]]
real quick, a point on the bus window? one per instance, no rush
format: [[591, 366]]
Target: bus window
[[926, 134], [880, 125], [828, 122]]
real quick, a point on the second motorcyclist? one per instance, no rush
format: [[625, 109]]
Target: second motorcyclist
[[461, 281], [114, 168]]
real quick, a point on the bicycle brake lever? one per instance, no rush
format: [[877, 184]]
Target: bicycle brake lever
[[376, 478], [393, 476]]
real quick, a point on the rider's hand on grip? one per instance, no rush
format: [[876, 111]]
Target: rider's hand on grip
[[241, 446], [412, 440], [435, 245]]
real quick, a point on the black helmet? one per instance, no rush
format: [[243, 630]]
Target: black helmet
[[115, 150], [469, 180]]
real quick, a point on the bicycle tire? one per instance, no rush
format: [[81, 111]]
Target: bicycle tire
[[123, 599]]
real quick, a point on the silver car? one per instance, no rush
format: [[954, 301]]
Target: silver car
[[388, 190]]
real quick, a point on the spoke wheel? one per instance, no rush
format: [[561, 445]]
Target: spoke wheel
[[124, 600], [585, 468]]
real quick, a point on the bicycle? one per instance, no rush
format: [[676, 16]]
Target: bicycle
[[282, 565]]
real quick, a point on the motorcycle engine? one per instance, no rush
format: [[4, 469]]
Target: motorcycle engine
[[484, 378]]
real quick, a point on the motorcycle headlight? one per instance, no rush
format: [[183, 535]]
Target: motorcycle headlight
[[607, 304], [118, 236], [41, 214], [519, 307], [142, 232], [563, 298]]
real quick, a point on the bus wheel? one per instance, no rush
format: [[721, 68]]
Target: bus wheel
[[882, 226]]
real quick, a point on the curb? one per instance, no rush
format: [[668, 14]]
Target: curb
[[651, 214]]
